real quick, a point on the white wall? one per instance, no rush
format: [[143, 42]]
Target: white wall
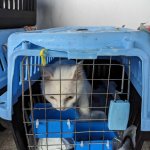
[[92, 12]]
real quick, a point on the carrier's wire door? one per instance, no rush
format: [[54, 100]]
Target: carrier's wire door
[[64, 126]]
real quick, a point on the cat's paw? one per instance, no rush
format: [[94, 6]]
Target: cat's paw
[[84, 116], [98, 115]]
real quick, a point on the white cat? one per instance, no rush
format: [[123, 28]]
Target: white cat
[[65, 86]]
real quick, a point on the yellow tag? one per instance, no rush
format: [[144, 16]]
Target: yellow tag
[[43, 56]]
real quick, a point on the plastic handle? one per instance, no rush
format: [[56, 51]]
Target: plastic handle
[[43, 54]]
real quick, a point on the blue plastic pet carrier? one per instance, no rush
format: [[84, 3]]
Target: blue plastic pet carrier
[[4, 34], [114, 51]]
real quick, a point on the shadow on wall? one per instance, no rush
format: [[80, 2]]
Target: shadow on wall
[[44, 14]]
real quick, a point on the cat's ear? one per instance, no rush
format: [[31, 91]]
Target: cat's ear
[[46, 72], [78, 71], [80, 62]]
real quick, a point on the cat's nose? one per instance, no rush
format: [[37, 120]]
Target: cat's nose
[[63, 108]]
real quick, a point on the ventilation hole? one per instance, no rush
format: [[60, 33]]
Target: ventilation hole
[[2, 102], [82, 30], [1, 66]]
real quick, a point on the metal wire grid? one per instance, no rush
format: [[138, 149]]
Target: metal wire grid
[[91, 68], [17, 4]]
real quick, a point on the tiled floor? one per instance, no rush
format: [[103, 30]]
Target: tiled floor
[[146, 146], [7, 142]]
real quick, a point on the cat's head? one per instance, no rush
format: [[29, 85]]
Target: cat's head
[[61, 83]]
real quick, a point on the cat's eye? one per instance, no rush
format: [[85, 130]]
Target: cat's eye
[[69, 98], [52, 97]]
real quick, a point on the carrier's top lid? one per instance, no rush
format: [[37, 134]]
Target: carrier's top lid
[[85, 40], [82, 29]]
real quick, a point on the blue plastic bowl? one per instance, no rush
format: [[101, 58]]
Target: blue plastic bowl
[[47, 122], [94, 145], [96, 130]]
